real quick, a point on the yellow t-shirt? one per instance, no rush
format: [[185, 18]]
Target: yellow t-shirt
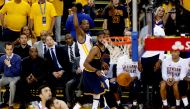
[[186, 4], [36, 15], [83, 2], [58, 4], [15, 14]]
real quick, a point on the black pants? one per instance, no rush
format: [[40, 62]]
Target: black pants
[[183, 88], [151, 78], [10, 35]]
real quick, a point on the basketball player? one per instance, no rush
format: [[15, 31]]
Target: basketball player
[[84, 43], [173, 70], [125, 64], [93, 75], [84, 40]]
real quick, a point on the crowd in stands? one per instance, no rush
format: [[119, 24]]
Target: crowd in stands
[[33, 56]]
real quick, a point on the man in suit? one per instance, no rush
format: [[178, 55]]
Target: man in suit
[[40, 45], [73, 53], [32, 76], [59, 66]]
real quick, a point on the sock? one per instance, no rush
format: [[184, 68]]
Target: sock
[[165, 103], [95, 104], [134, 103], [77, 106], [118, 102], [177, 102], [185, 101]]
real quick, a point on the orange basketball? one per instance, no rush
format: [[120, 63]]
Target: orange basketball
[[124, 79]]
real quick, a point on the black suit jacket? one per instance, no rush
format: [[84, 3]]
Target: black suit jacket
[[63, 59], [76, 49]]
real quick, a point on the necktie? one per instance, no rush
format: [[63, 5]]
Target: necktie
[[45, 48], [54, 58], [71, 54]]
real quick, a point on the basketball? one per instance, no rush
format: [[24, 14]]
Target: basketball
[[124, 79]]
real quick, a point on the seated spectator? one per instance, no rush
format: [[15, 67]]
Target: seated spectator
[[173, 70], [54, 103], [10, 64], [81, 17], [125, 64], [32, 76], [23, 48], [183, 87], [59, 67], [41, 45], [158, 18], [30, 35], [73, 52]]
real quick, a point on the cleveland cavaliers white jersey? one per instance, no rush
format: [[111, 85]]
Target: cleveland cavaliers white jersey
[[84, 49], [171, 69], [124, 63]]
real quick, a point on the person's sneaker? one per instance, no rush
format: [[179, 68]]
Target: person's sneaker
[[165, 107]]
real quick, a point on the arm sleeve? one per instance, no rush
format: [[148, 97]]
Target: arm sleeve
[[16, 68], [32, 12], [183, 70], [4, 9], [164, 70], [68, 24], [161, 56], [1, 64], [53, 12]]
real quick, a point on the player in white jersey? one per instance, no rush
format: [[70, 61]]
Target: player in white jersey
[[126, 64], [84, 44], [84, 40], [183, 86], [173, 70]]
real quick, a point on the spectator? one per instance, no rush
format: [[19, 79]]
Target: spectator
[[115, 18], [173, 70], [82, 18], [125, 64], [89, 6], [149, 64], [10, 64], [59, 67], [170, 26], [183, 87], [54, 103], [42, 17], [72, 84], [32, 76], [15, 18], [41, 45], [58, 4], [30, 35], [23, 48], [159, 14]]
